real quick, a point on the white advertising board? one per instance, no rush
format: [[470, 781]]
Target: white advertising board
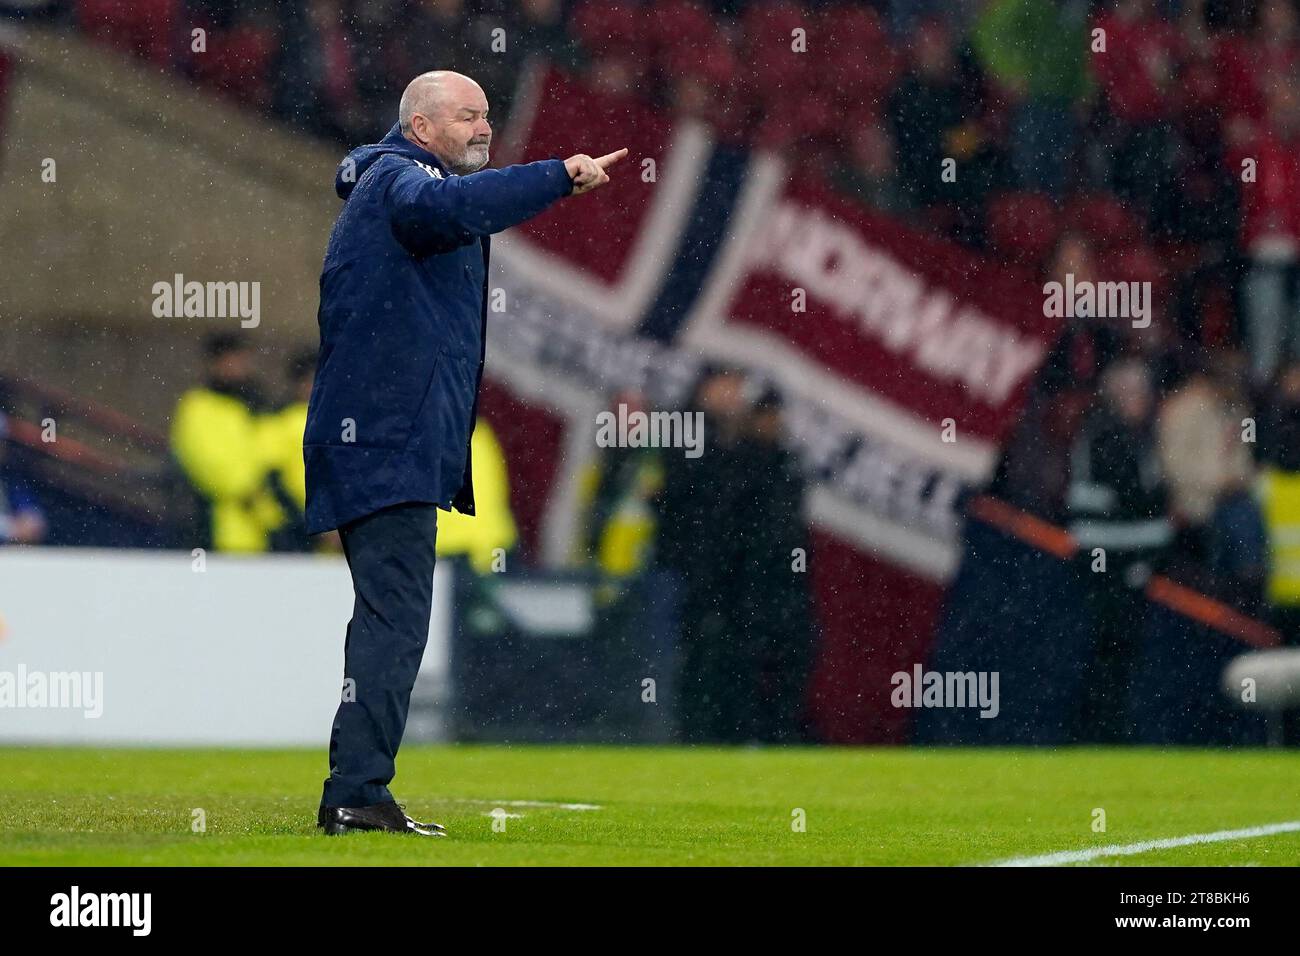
[[139, 647]]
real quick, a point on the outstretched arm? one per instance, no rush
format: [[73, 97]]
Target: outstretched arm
[[428, 211]]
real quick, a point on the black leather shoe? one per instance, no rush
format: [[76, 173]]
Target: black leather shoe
[[386, 817], [435, 829]]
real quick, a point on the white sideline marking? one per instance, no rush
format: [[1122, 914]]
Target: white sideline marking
[[1130, 849], [534, 803]]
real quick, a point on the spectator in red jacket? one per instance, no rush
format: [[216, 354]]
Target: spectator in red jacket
[[1139, 65], [1138, 73], [1268, 165], [1244, 62], [314, 82]]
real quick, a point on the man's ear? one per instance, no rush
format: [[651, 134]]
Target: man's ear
[[420, 128]]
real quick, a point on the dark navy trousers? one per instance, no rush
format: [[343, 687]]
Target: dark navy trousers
[[391, 556]]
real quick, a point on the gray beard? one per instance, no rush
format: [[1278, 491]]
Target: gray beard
[[467, 163]]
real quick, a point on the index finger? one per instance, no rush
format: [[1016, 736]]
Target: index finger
[[609, 159]]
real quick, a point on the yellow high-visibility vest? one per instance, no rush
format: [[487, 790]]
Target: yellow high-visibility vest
[[624, 543], [492, 527], [219, 443], [1280, 497], [281, 434]]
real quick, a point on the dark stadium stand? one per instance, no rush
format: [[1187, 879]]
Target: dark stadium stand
[[123, 491]]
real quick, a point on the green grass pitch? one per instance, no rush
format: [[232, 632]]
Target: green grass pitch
[[656, 806]]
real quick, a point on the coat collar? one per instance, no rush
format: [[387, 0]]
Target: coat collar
[[395, 141]]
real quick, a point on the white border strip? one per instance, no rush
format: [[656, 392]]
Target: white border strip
[[577, 408], [539, 804], [621, 306], [1131, 849], [918, 551]]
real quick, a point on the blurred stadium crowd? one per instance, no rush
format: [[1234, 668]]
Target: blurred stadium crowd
[[1174, 446]]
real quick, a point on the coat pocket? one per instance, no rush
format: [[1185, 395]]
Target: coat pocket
[[429, 399], [442, 432]]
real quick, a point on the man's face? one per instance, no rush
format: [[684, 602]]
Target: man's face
[[1289, 385], [723, 396], [1130, 395], [458, 132], [233, 368]]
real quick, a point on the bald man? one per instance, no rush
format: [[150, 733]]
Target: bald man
[[403, 317]]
